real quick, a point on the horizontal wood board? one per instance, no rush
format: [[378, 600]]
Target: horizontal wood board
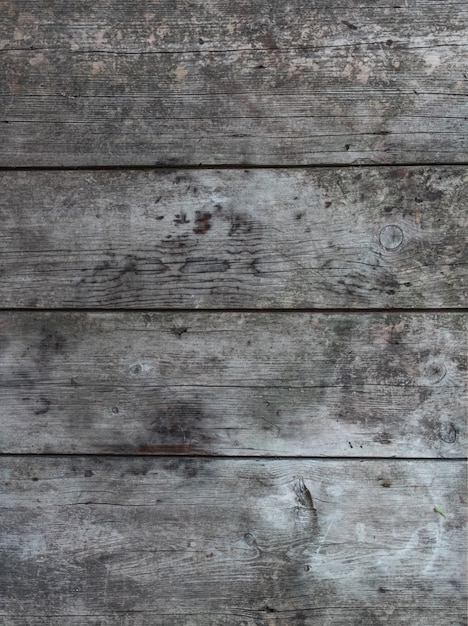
[[232, 542], [291, 384], [341, 497], [319, 238], [278, 83]]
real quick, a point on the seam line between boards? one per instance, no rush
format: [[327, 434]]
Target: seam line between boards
[[260, 311], [220, 457], [227, 166]]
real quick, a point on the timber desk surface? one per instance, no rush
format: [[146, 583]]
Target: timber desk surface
[[234, 311]]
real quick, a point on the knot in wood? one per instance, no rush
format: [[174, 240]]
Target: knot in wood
[[391, 237]]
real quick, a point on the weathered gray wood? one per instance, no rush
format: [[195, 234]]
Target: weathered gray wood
[[355, 237], [187, 541], [234, 384], [148, 82], [167, 26]]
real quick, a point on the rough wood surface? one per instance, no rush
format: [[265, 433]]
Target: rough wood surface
[[331, 237], [232, 542], [151, 529], [236, 384], [210, 82]]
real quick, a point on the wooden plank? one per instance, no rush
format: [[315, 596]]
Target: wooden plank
[[214, 82], [234, 384], [253, 542], [329, 237]]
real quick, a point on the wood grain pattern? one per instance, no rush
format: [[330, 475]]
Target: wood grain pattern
[[321, 238], [258, 543], [232, 82], [234, 384], [154, 527]]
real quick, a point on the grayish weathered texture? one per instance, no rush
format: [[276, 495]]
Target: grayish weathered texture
[[150, 82], [354, 237], [234, 383], [233, 542], [164, 533]]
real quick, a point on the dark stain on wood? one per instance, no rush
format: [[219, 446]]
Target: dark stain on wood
[[51, 342], [202, 222], [240, 224], [182, 115], [115, 269], [349, 25], [181, 218], [178, 331], [267, 39], [163, 536], [179, 380], [190, 468], [384, 438], [44, 406], [178, 429], [358, 259]]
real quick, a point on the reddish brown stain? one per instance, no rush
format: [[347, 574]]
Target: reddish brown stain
[[202, 222]]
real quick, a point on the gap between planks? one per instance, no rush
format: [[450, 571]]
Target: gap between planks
[[227, 166], [222, 457], [225, 310]]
